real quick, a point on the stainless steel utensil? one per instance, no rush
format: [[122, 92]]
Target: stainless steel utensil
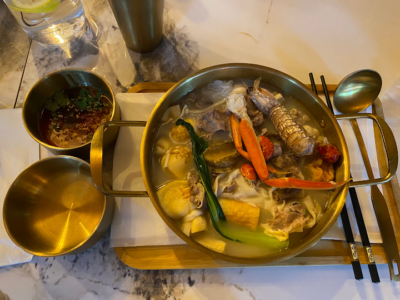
[[355, 93], [140, 22], [348, 232], [53, 208], [52, 83]]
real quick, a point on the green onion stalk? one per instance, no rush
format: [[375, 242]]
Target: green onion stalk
[[217, 215]]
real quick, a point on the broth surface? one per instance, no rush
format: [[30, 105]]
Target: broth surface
[[193, 106]]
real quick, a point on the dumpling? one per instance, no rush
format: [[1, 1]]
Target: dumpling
[[179, 133], [177, 161], [162, 146], [174, 198], [172, 112]]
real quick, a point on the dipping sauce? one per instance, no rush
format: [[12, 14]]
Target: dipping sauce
[[70, 117]]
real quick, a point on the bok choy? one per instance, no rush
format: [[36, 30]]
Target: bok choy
[[234, 233]]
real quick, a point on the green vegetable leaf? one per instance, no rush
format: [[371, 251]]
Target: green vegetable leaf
[[218, 219], [61, 99], [51, 105], [99, 93], [83, 92], [81, 104], [198, 147]]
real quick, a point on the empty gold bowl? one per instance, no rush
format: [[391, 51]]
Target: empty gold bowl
[[53, 208]]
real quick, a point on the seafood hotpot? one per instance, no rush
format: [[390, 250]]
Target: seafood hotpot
[[289, 85]]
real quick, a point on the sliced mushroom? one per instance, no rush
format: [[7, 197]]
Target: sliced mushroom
[[221, 155], [197, 197], [218, 170]]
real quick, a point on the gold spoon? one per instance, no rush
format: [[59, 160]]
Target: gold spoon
[[355, 93]]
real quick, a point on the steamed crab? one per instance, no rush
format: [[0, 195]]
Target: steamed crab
[[295, 136]]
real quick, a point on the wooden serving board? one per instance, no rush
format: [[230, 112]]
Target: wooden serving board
[[325, 252]]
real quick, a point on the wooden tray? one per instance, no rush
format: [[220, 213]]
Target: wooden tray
[[325, 252]]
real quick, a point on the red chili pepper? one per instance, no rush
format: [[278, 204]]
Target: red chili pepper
[[267, 147], [248, 171], [329, 153]]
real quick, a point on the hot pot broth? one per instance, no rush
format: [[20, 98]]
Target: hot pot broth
[[248, 205]]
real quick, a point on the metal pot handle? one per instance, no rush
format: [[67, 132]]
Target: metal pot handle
[[389, 144], [96, 159], [96, 154]]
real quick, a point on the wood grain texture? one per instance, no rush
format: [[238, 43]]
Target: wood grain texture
[[159, 87], [151, 87], [325, 252]]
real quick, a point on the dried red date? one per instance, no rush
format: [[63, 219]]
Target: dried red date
[[267, 147], [329, 153]]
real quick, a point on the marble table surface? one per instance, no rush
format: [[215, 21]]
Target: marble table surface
[[332, 38]]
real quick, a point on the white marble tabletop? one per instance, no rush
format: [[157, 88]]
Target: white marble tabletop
[[332, 38]]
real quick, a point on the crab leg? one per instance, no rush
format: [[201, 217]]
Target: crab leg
[[290, 182], [253, 148], [237, 138], [257, 158]]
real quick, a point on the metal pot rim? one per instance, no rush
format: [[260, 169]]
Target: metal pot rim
[[144, 158], [69, 251], [51, 74]]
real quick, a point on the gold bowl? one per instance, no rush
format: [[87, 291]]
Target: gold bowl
[[53, 208], [46, 88]]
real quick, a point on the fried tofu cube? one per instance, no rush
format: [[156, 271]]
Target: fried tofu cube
[[212, 244], [241, 213]]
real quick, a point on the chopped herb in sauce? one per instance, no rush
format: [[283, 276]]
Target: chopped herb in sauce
[[70, 117]]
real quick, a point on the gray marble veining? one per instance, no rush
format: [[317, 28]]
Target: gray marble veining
[[176, 57], [99, 274], [14, 48]]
